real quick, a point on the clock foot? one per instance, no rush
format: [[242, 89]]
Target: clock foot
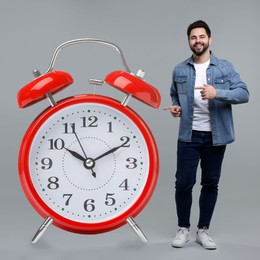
[[136, 229], [42, 229]]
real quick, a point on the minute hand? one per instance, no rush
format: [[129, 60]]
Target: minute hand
[[110, 151]]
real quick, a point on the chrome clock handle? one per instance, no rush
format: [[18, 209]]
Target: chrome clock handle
[[86, 40]]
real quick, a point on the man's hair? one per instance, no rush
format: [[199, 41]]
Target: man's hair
[[199, 24]]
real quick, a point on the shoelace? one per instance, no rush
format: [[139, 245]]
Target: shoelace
[[181, 231], [205, 234]]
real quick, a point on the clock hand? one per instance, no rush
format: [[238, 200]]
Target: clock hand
[[75, 154], [80, 145], [110, 151], [88, 163]]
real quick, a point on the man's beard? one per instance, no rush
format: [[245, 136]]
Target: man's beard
[[205, 47]]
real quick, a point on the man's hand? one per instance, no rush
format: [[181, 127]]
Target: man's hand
[[207, 92], [175, 110]]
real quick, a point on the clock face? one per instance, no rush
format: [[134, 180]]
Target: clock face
[[88, 162]]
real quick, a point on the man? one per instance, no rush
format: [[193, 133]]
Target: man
[[202, 92]]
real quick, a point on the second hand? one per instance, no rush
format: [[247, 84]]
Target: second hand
[[93, 173]]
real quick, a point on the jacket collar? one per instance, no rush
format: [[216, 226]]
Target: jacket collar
[[213, 59]]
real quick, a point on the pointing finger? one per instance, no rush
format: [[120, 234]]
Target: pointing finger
[[199, 87]]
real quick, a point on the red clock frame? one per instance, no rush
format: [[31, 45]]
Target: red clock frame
[[60, 221]]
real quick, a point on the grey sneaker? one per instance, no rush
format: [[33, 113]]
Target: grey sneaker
[[203, 238], [182, 237]]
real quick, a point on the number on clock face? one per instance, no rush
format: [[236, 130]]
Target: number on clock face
[[89, 162]]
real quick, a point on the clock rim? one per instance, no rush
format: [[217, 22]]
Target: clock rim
[[70, 225]]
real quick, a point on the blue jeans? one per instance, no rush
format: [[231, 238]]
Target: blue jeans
[[188, 156]]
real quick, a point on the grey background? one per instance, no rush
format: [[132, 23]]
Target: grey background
[[152, 35]]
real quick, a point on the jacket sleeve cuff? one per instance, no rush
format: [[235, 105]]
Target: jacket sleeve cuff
[[221, 94]]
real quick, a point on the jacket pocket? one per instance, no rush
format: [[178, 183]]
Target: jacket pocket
[[182, 84], [222, 82]]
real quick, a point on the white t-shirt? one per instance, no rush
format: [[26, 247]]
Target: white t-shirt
[[201, 119]]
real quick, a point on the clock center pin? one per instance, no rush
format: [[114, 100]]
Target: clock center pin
[[89, 163]]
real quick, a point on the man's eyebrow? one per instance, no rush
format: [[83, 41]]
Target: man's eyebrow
[[201, 35]]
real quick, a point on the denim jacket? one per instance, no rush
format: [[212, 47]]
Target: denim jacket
[[230, 90]]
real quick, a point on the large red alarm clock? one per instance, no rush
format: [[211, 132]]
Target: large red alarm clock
[[88, 163]]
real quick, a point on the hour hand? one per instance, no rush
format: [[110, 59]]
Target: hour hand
[[75, 154], [87, 162]]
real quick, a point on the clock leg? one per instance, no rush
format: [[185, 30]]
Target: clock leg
[[42, 229], [136, 229], [126, 100], [48, 95]]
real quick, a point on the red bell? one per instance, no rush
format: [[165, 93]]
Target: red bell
[[135, 86], [35, 91]]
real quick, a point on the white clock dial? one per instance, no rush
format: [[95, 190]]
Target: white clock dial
[[89, 162]]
